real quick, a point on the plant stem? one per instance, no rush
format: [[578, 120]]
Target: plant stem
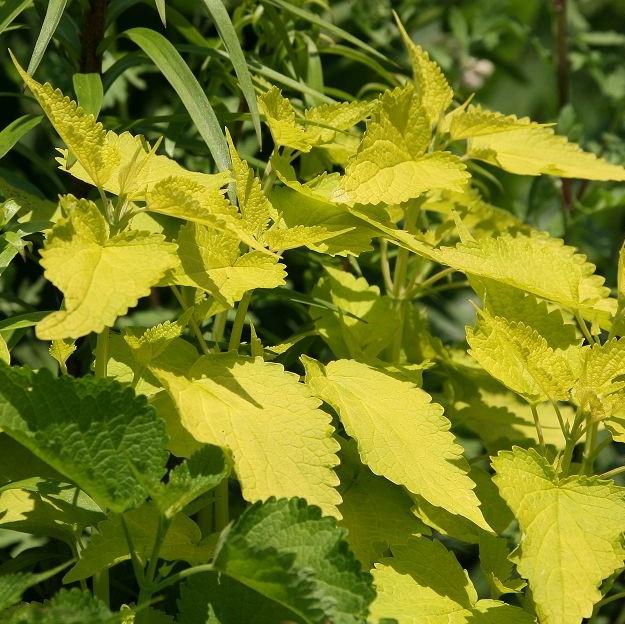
[[587, 460], [612, 473], [563, 74], [101, 353], [101, 586], [219, 326], [147, 588], [386, 267], [539, 429], [192, 322], [239, 320], [582, 325], [612, 598], [222, 510]]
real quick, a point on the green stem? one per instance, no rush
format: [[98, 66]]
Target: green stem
[[239, 321], [180, 576], [222, 510], [563, 425], [539, 429], [386, 267], [101, 586], [136, 564], [219, 327], [612, 598], [582, 325], [610, 474], [147, 588], [192, 323], [101, 353], [587, 460]]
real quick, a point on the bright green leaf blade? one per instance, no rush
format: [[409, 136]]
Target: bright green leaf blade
[[423, 582], [89, 91], [203, 471], [263, 550], [571, 533], [10, 11], [51, 20], [70, 606], [109, 547], [378, 516], [176, 71], [261, 413], [16, 130], [95, 432], [229, 36], [400, 433], [160, 7]]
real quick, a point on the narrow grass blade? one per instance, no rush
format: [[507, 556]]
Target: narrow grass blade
[[54, 12], [160, 7], [229, 36], [18, 128], [338, 32], [10, 11], [172, 66]]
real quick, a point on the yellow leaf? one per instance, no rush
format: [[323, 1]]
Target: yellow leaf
[[281, 441], [100, 275], [400, 433]]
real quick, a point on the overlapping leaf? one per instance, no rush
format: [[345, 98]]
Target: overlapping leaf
[[400, 433], [95, 432], [281, 442], [572, 531], [423, 582], [391, 165], [100, 275]]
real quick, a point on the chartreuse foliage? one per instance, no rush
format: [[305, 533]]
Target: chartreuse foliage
[[224, 479]]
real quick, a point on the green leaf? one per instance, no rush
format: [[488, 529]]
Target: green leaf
[[458, 527], [364, 321], [89, 91], [261, 413], [391, 165], [210, 598], [61, 350], [203, 471], [229, 36], [108, 546], [165, 56], [12, 586], [520, 358], [95, 432], [51, 20], [497, 566], [115, 271], [423, 582], [160, 7], [70, 606], [378, 516], [47, 509], [10, 11], [319, 582], [400, 433], [571, 530], [13, 133]]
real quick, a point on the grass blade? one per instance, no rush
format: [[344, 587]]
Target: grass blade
[[229, 36], [18, 128], [10, 11], [54, 12], [160, 7], [176, 71], [338, 32]]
